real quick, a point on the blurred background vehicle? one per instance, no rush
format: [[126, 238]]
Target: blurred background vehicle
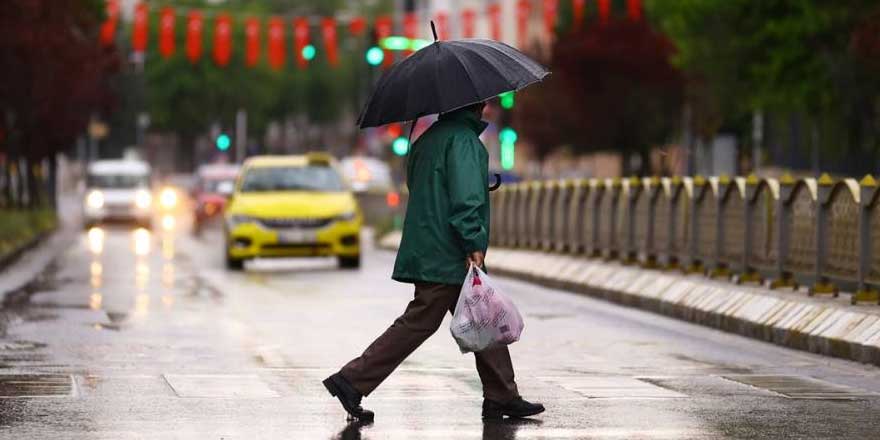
[[366, 174], [118, 190], [292, 206], [213, 186]]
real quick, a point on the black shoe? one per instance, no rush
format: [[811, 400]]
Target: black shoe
[[349, 397], [517, 408]]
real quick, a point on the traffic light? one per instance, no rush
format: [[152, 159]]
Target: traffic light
[[308, 52], [375, 55], [223, 142], [507, 136], [507, 100], [400, 146]]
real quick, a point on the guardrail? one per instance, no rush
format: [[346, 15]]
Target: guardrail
[[821, 233]]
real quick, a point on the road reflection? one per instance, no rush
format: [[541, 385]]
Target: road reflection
[[96, 240], [141, 242]]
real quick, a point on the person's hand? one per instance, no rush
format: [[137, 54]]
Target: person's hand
[[475, 258]]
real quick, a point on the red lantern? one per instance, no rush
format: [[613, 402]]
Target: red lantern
[[139, 31], [410, 27], [604, 11], [468, 16], [194, 36], [357, 26], [108, 28], [523, 10], [300, 40], [276, 43], [577, 7], [252, 42], [166, 32], [550, 12], [222, 39], [328, 31], [634, 9], [495, 21], [383, 30], [442, 20]]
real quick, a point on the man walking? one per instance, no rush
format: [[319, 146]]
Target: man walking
[[446, 229]]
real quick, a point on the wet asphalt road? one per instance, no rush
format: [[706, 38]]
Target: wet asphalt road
[[144, 335]]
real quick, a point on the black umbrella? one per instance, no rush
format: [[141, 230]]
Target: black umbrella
[[447, 75]]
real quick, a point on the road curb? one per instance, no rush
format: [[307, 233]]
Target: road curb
[[30, 262], [791, 319]]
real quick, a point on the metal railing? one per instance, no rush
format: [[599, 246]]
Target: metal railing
[[784, 232]]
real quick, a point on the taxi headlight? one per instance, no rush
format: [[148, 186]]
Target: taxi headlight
[[142, 199], [168, 198], [95, 199]]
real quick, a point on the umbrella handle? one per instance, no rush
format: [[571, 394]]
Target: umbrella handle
[[497, 183]]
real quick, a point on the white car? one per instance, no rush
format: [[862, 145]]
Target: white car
[[118, 190]]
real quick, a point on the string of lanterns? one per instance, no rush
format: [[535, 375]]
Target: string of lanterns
[[275, 30]]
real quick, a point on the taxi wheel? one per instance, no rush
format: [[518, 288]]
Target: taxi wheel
[[350, 262], [234, 263]]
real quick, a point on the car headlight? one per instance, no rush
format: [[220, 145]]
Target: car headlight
[[142, 199], [168, 198], [235, 220], [347, 217], [95, 199]]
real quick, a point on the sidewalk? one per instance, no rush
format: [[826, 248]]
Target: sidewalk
[[33, 262], [817, 324]]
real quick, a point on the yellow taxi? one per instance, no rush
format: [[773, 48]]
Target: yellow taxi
[[292, 206]]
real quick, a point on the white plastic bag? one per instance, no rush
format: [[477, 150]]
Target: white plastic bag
[[483, 316]]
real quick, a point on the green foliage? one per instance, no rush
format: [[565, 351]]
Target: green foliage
[[789, 57], [187, 97], [19, 227]]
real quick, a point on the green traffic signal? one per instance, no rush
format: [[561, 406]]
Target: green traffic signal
[[223, 142], [308, 52], [400, 146], [507, 100], [508, 137], [375, 56]]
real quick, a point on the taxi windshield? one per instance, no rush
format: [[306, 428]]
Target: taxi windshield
[[291, 178]]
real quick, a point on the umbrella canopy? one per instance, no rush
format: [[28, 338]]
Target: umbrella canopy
[[447, 75]]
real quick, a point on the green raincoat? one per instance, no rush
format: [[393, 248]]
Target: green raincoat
[[447, 215]]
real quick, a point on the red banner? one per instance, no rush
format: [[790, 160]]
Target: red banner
[[384, 29], [251, 42], [523, 11], [550, 12], [194, 26], [468, 23], [495, 21], [410, 27], [577, 8], [300, 40], [328, 31], [222, 39], [634, 9], [166, 32], [108, 28], [604, 11], [276, 43], [442, 21], [139, 28], [357, 26]]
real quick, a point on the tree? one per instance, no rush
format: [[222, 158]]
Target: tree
[[612, 88], [54, 78], [792, 59]]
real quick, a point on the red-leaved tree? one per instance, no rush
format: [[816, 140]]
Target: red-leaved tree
[[54, 78], [613, 88]]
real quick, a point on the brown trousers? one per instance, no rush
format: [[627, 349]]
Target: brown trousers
[[422, 318]]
